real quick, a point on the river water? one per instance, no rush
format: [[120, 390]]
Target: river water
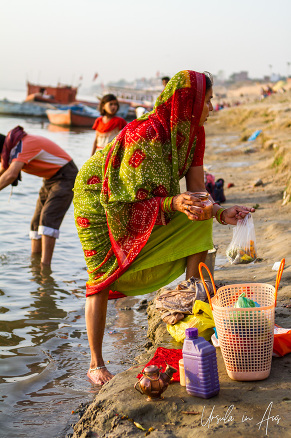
[[43, 342], [44, 353]]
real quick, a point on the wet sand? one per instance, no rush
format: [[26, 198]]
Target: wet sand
[[251, 409]]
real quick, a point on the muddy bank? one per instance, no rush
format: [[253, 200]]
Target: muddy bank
[[241, 408], [273, 117]]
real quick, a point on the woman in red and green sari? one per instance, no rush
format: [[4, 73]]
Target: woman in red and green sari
[[137, 231]]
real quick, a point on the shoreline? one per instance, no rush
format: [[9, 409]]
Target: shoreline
[[240, 408]]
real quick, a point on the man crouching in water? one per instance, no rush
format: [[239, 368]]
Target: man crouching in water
[[41, 157]]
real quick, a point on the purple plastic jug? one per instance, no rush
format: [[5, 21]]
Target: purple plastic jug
[[200, 365]]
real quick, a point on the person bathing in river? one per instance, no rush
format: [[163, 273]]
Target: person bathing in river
[[108, 125], [137, 230], [41, 157]]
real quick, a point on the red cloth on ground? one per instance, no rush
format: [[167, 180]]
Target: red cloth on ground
[[163, 357]]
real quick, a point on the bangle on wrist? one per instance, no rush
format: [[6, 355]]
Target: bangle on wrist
[[219, 216], [167, 204]]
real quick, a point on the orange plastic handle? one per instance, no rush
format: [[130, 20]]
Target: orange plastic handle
[[202, 265], [278, 278]]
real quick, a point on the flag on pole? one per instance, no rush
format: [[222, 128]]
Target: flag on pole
[[95, 76]]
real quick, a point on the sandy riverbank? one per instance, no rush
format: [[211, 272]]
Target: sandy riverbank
[[241, 163]]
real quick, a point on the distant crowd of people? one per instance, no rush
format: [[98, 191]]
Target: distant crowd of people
[[221, 105], [266, 91]]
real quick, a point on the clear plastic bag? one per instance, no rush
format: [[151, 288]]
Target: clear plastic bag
[[242, 248]]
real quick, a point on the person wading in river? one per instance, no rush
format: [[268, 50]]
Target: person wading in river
[[138, 232], [41, 157]]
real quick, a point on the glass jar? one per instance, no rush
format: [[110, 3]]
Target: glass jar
[[208, 206]]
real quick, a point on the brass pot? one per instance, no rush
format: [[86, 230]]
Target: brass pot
[[153, 383]]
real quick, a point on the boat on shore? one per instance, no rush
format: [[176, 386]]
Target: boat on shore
[[78, 114], [30, 109], [39, 99], [73, 115], [60, 105]]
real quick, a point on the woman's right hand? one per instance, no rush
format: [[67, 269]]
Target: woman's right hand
[[187, 203]]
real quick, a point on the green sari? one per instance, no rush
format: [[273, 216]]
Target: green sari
[[118, 194]]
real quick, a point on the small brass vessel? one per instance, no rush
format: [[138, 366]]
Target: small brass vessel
[[153, 383]]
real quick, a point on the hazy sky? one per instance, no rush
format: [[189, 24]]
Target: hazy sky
[[61, 40]]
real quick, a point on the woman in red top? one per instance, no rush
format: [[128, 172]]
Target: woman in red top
[[108, 125]]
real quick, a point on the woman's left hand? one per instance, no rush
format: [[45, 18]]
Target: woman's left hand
[[233, 214]]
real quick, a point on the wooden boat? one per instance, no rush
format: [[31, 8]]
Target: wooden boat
[[78, 114], [39, 99], [62, 94], [73, 115]]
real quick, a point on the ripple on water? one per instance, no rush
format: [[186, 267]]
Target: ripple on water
[[43, 341], [44, 346]]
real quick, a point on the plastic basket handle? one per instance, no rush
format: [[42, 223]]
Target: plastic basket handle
[[278, 278], [202, 265]]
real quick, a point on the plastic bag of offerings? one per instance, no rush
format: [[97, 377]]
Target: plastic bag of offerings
[[242, 248]]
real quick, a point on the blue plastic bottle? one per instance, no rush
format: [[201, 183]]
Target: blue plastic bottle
[[200, 365]]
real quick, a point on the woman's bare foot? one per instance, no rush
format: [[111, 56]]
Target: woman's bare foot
[[99, 377]]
